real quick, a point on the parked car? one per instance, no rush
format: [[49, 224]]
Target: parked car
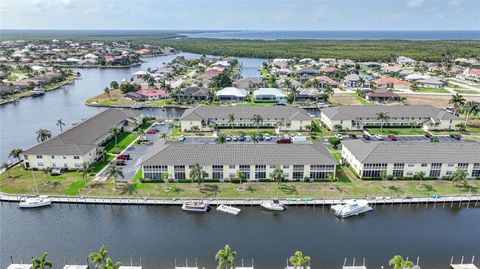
[[241, 137], [120, 162], [228, 138], [299, 139], [235, 138], [379, 137], [284, 141], [392, 137], [339, 136], [428, 135], [261, 137], [181, 138], [280, 104], [150, 132], [162, 123], [366, 137], [56, 172], [124, 157], [268, 137], [456, 136], [155, 130], [352, 136]]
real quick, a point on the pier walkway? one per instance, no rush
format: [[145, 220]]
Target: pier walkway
[[470, 200]]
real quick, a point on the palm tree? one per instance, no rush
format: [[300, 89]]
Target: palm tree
[[107, 92], [399, 263], [277, 175], [43, 135], [434, 139], [114, 172], [197, 174], [383, 117], [110, 265], [457, 101], [240, 175], [41, 263], [98, 258], [294, 92], [470, 108], [299, 261], [114, 131], [327, 92], [459, 178], [255, 138], [195, 129], [60, 124], [257, 120], [226, 258], [15, 153], [420, 175], [230, 119], [85, 169], [222, 139], [114, 84]]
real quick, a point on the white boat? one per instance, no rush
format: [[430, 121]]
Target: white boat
[[195, 207], [273, 205], [37, 201], [229, 209], [351, 208]]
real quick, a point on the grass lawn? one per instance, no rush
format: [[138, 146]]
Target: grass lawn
[[473, 129], [20, 182], [360, 99], [396, 131], [247, 131], [433, 90], [161, 102], [468, 91]]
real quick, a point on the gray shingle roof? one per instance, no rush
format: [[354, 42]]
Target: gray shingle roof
[[177, 153], [81, 138], [414, 152], [353, 112], [267, 112]]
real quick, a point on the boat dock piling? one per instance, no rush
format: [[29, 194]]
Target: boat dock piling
[[462, 265], [245, 267], [186, 265], [469, 200], [353, 266]]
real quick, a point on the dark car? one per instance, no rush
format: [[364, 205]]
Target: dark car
[[151, 132], [241, 137], [120, 162], [366, 137], [352, 136], [428, 135], [456, 136], [155, 130], [392, 137], [280, 104], [284, 140]]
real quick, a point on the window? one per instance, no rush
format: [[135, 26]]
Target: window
[[54, 165], [298, 167], [411, 165], [260, 171], [78, 165], [397, 173], [40, 164], [476, 170], [39, 157], [286, 166], [463, 166], [434, 173], [53, 156], [424, 164], [64, 157], [76, 157], [297, 175], [449, 173], [65, 165], [217, 172], [232, 166], [154, 171], [245, 169], [179, 172], [398, 166]]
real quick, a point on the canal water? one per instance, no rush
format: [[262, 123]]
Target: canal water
[[159, 235], [20, 121]]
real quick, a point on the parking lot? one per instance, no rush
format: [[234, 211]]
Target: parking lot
[[213, 140]]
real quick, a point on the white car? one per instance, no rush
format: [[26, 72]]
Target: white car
[[267, 137], [339, 136], [181, 138], [379, 137]]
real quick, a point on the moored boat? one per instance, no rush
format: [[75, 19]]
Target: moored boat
[[195, 207], [351, 208], [273, 205], [32, 202]]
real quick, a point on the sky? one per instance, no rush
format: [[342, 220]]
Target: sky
[[241, 14]]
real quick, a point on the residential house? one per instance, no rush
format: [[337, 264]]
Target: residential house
[[310, 94], [431, 83], [194, 93], [248, 82], [405, 60], [256, 161], [269, 94], [324, 80], [232, 94], [472, 74], [404, 159], [207, 118], [392, 82], [382, 96]]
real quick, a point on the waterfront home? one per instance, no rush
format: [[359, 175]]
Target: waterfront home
[[358, 117], [138, 76], [151, 94], [323, 81], [472, 74], [392, 82], [405, 60], [370, 64], [81, 142], [194, 93], [431, 83], [310, 94], [353, 81], [232, 94], [328, 70], [248, 82], [222, 161], [207, 118], [416, 76], [404, 159], [382, 96], [307, 72], [391, 69], [270, 94]]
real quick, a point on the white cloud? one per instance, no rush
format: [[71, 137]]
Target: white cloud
[[415, 3]]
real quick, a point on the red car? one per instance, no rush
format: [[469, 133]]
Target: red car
[[123, 157], [392, 137], [151, 132], [284, 141]]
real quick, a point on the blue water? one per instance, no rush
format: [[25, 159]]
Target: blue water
[[340, 35]]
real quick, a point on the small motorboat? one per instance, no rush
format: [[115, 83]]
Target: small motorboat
[[32, 202], [229, 209], [273, 205], [195, 207], [351, 208]]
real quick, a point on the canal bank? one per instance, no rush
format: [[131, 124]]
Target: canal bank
[[159, 235]]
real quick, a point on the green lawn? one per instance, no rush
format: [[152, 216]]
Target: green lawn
[[395, 131], [360, 99], [433, 90], [468, 91], [19, 181]]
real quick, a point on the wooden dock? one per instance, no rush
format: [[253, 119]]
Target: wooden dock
[[469, 200]]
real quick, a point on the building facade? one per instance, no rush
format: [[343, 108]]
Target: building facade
[[359, 117], [208, 118], [404, 159], [222, 161]]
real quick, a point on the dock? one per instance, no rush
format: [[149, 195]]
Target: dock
[[468, 200], [228, 209], [19, 266], [75, 266], [463, 265]]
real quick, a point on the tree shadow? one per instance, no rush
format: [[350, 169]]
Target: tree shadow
[[288, 189], [209, 190], [128, 188], [176, 189], [428, 188], [395, 189], [251, 189], [96, 184]]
